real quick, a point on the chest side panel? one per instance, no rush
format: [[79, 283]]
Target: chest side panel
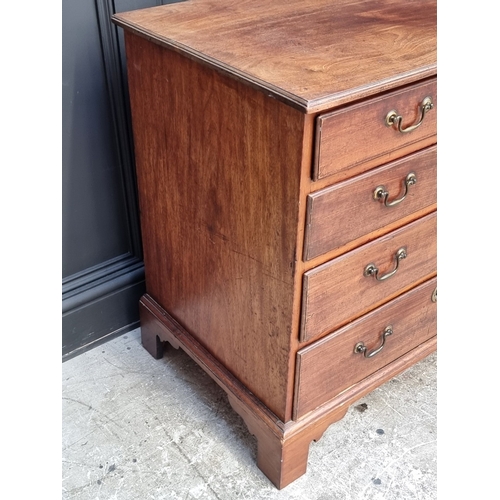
[[218, 167]]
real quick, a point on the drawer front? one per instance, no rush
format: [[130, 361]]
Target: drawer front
[[358, 134], [342, 289], [331, 220], [331, 365]]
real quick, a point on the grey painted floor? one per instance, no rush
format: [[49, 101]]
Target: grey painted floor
[[138, 428]]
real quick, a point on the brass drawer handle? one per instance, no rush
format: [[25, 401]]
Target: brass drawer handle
[[381, 193], [372, 269], [361, 348], [395, 119]]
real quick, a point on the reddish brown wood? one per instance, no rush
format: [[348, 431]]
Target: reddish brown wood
[[282, 448], [307, 144], [151, 341], [337, 292], [330, 365], [358, 134], [360, 168], [224, 98], [218, 170], [312, 54], [283, 456], [332, 222], [160, 325], [366, 238]]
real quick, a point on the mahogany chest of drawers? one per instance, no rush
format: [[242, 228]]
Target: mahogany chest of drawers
[[286, 168]]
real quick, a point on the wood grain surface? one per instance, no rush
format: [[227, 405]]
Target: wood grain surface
[[256, 124], [218, 170], [357, 134], [282, 448], [312, 54], [348, 210], [338, 292], [329, 366]]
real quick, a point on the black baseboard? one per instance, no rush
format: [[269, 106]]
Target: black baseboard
[[107, 310]]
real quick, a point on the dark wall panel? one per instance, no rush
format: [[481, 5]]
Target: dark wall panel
[[94, 208], [102, 268]]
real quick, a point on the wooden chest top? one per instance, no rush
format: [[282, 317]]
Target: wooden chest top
[[311, 54]]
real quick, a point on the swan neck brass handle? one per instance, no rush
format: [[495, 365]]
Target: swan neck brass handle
[[360, 347], [381, 194], [394, 119], [373, 270]]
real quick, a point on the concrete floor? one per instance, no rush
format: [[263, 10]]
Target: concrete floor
[[136, 428]]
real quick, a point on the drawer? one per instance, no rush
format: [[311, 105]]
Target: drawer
[[342, 289], [358, 134], [331, 220], [331, 365]]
